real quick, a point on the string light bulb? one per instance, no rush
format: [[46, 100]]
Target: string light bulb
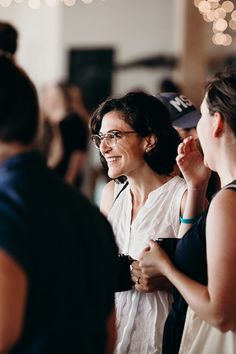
[[36, 4], [5, 3], [222, 15]]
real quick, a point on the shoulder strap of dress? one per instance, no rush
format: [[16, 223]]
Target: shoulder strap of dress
[[231, 185], [124, 186]]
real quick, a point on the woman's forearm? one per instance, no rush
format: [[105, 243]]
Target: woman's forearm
[[195, 203], [198, 298]]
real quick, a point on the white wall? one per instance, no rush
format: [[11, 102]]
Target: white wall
[[40, 50], [135, 28]]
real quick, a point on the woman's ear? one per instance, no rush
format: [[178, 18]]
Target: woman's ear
[[150, 142], [218, 124]]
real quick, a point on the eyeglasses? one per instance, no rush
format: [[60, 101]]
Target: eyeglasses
[[111, 137]]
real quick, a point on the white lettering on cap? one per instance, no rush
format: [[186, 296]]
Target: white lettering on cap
[[181, 101]]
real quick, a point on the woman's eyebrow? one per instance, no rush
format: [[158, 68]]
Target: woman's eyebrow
[[110, 131]]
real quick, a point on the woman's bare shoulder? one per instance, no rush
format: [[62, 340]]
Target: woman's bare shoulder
[[107, 197]]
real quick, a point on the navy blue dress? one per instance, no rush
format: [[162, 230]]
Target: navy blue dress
[[190, 258]]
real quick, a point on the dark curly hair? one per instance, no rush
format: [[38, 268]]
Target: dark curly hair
[[221, 96], [146, 115]]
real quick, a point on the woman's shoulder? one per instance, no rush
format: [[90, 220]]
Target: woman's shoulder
[[176, 185], [222, 207], [225, 194], [179, 180], [110, 193], [107, 197]]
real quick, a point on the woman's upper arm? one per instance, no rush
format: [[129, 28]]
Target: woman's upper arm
[[107, 197], [221, 254], [13, 280]]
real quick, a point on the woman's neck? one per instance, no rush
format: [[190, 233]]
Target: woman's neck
[[145, 181], [225, 163], [142, 186]]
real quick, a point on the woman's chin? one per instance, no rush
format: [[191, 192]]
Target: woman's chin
[[113, 174]]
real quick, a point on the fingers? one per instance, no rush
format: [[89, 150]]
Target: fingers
[[147, 249], [137, 276], [136, 279], [135, 265], [142, 288], [180, 159], [184, 149], [187, 145], [141, 283], [135, 272], [151, 243]]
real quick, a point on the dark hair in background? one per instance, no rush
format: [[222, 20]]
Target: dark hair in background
[[19, 110], [8, 38], [146, 115], [221, 96], [168, 85]]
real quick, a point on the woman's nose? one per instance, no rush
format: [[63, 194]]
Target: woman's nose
[[104, 147]]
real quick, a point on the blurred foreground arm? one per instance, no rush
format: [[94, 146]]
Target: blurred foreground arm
[[13, 294], [111, 329]]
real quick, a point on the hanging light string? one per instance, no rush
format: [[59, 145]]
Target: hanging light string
[[36, 4], [222, 15]]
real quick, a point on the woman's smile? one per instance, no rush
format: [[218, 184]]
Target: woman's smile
[[112, 159]]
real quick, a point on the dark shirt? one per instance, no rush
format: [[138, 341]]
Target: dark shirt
[[190, 258], [67, 250], [74, 136]]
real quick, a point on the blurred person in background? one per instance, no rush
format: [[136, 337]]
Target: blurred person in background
[[52, 243], [138, 144], [184, 118], [77, 102], [65, 134], [168, 85]]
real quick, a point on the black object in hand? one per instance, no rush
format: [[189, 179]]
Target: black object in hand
[[168, 245], [124, 281]]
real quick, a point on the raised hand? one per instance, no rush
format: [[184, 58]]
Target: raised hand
[[191, 163]]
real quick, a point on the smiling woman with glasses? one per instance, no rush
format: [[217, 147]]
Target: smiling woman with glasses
[[137, 143]]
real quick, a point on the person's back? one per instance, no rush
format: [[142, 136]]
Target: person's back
[[57, 253], [63, 244]]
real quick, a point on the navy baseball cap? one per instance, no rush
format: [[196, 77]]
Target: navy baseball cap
[[183, 114]]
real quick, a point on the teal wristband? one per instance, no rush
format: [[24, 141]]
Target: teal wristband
[[189, 220]]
